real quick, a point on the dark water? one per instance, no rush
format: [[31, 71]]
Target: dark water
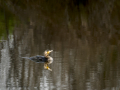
[[85, 37]]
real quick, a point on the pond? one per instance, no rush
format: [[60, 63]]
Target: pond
[[84, 37]]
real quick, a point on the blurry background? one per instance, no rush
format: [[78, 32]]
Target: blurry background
[[85, 37]]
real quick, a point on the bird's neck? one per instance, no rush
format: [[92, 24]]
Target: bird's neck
[[47, 56]]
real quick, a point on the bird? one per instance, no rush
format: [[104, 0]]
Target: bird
[[46, 59]]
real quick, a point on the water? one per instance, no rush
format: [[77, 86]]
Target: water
[[85, 40]]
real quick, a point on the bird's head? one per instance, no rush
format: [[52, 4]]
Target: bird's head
[[46, 53]]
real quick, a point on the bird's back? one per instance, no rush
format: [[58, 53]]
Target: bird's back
[[38, 59]]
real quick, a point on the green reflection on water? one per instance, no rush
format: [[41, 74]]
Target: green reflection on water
[[7, 22]]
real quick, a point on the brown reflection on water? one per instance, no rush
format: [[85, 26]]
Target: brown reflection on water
[[86, 48], [76, 64]]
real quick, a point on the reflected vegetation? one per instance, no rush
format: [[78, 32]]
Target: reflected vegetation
[[85, 37]]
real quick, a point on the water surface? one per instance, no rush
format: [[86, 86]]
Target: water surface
[[86, 45]]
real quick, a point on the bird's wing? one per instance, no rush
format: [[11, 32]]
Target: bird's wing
[[37, 59], [42, 58]]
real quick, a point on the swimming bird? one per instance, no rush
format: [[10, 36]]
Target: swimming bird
[[46, 59]]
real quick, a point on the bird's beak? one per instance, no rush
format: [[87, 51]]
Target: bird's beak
[[49, 69], [48, 52]]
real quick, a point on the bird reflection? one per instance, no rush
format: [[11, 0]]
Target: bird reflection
[[46, 59]]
